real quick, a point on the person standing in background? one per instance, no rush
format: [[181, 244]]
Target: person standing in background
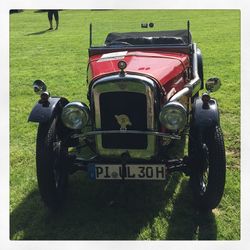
[[50, 17]]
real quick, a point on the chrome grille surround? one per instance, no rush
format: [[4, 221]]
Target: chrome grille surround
[[127, 83]]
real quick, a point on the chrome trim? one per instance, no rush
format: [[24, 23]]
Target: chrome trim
[[79, 106], [155, 133], [115, 83], [195, 84], [39, 87], [175, 105], [117, 77]]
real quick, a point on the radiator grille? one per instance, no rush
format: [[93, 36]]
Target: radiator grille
[[134, 106]]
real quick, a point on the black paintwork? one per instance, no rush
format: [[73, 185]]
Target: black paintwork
[[205, 116], [43, 112]]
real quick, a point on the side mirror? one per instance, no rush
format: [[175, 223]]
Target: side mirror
[[39, 87], [213, 84]]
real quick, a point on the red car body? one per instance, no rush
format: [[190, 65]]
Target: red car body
[[169, 70]]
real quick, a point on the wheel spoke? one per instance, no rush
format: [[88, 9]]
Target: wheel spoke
[[204, 169]]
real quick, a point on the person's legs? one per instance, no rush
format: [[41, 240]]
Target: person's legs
[[50, 13], [56, 18]]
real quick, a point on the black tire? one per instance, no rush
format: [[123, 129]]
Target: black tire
[[51, 163], [208, 167]]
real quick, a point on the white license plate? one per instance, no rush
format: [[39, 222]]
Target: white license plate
[[131, 172]]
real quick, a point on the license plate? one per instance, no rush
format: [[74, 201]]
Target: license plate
[[130, 172]]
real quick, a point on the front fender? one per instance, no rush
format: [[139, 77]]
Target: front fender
[[44, 113], [205, 117]]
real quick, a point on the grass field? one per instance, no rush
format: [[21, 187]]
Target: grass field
[[140, 210]]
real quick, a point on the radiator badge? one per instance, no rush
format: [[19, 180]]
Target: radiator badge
[[123, 121]]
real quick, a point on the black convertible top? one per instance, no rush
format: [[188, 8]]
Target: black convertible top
[[171, 37]]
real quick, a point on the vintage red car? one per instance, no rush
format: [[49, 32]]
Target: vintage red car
[[144, 98]]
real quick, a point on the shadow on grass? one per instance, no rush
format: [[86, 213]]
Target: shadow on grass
[[39, 32], [188, 223], [93, 211], [111, 211]]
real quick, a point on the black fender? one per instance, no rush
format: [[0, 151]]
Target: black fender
[[204, 116], [44, 112]]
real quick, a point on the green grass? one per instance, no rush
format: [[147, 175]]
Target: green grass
[[96, 210]]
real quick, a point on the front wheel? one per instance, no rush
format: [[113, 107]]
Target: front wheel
[[208, 166], [51, 163]]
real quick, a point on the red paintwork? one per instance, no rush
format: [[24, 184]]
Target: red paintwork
[[166, 68]]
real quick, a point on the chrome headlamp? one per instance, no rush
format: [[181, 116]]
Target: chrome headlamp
[[75, 115], [173, 116]]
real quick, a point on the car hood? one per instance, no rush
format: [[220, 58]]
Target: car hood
[[162, 67]]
